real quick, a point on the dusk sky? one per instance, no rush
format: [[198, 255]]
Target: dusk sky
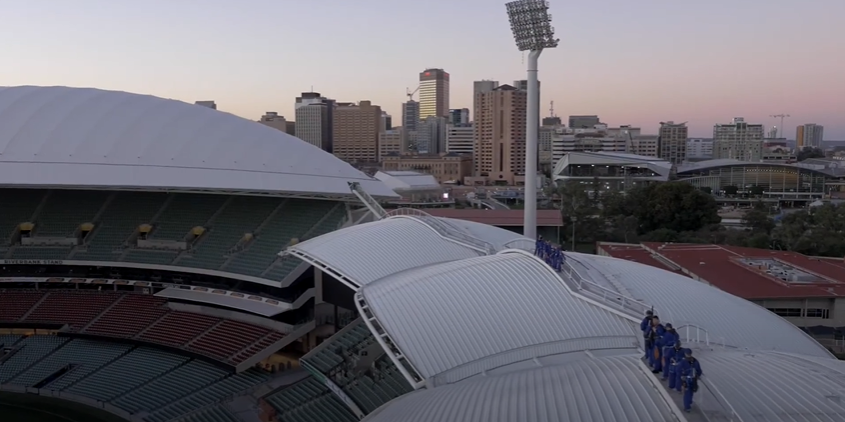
[[631, 62]]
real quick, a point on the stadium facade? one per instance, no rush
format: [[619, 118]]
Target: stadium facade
[[406, 317]]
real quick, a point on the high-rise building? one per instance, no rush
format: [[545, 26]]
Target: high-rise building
[[480, 87], [523, 85], [499, 136], [410, 121], [459, 139], [434, 93], [809, 135], [544, 139], [583, 122], [356, 132], [458, 116], [738, 140], [273, 120], [391, 142], [552, 121], [699, 149], [386, 121], [314, 119], [207, 103], [431, 135], [672, 142]]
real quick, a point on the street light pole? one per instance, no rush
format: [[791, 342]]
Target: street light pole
[[531, 25]]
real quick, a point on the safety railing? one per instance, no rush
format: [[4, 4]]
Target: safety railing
[[691, 333], [632, 306], [334, 388], [446, 230]]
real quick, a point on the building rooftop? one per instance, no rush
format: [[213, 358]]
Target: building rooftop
[[545, 218], [744, 272], [407, 180]]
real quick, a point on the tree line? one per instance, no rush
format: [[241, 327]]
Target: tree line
[[679, 212]]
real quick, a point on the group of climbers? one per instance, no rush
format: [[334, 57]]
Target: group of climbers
[[664, 354], [550, 253]]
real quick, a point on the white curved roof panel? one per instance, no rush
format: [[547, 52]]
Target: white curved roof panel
[[727, 319], [370, 251], [497, 236], [771, 387], [458, 319], [83, 137], [589, 390]]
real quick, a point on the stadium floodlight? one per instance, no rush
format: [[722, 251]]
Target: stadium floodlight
[[532, 29]]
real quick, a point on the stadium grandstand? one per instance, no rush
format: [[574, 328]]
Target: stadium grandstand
[[171, 263]]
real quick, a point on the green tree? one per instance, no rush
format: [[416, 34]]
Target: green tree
[[675, 206], [757, 190], [577, 213], [730, 190], [706, 189], [809, 152], [758, 221]]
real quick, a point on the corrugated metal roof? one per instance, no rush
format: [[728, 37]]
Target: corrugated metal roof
[[368, 252], [771, 387], [447, 315], [588, 390], [681, 300]]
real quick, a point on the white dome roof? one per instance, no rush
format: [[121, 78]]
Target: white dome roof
[[84, 137]]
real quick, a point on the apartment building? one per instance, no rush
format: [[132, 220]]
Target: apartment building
[[738, 140], [673, 142], [499, 136], [356, 132], [444, 167]]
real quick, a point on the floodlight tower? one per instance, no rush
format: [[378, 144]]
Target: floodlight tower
[[532, 29]]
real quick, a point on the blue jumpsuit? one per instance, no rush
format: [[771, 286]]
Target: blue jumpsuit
[[673, 363], [656, 348], [670, 337], [690, 371], [644, 325]]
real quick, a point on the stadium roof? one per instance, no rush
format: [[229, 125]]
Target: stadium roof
[[718, 265], [407, 180], [826, 169], [399, 242], [459, 319], [90, 138], [766, 386], [658, 166]]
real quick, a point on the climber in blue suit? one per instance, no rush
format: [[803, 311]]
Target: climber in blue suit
[[667, 342], [644, 326], [674, 356], [655, 336], [690, 372]]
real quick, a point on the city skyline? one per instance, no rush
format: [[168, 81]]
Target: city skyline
[[735, 61]]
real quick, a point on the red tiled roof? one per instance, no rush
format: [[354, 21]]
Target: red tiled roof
[[717, 266], [545, 218]]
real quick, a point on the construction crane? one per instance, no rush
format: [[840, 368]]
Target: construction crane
[[410, 93], [781, 117]]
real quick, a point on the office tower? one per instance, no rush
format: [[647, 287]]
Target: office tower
[[314, 119], [208, 103], [386, 121], [273, 120], [672, 142], [458, 116], [645, 145], [410, 114], [431, 135], [580, 122], [700, 149], [523, 85], [459, 139], [290, 128], [434, 93], [809, 135], [480, 87], [551, 121], [356, 130], [738, 140], [391, 142], [499, 136]]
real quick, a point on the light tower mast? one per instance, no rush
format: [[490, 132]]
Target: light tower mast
[[531, 25]]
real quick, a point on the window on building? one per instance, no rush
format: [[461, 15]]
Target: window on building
[[818, 313], [787, 312]]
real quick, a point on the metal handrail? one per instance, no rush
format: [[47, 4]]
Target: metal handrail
[[685, 328], [607, 295], [446, 230]]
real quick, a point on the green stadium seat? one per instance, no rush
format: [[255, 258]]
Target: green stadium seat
[[17, 206], [131, 371], [171, 387], [149, 256], [242, 215], [307, 401], [66, 210], [33, 349], [124, 214], [41, 252], [88, 356], [211, 414], [184, 212], [212, 394]]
